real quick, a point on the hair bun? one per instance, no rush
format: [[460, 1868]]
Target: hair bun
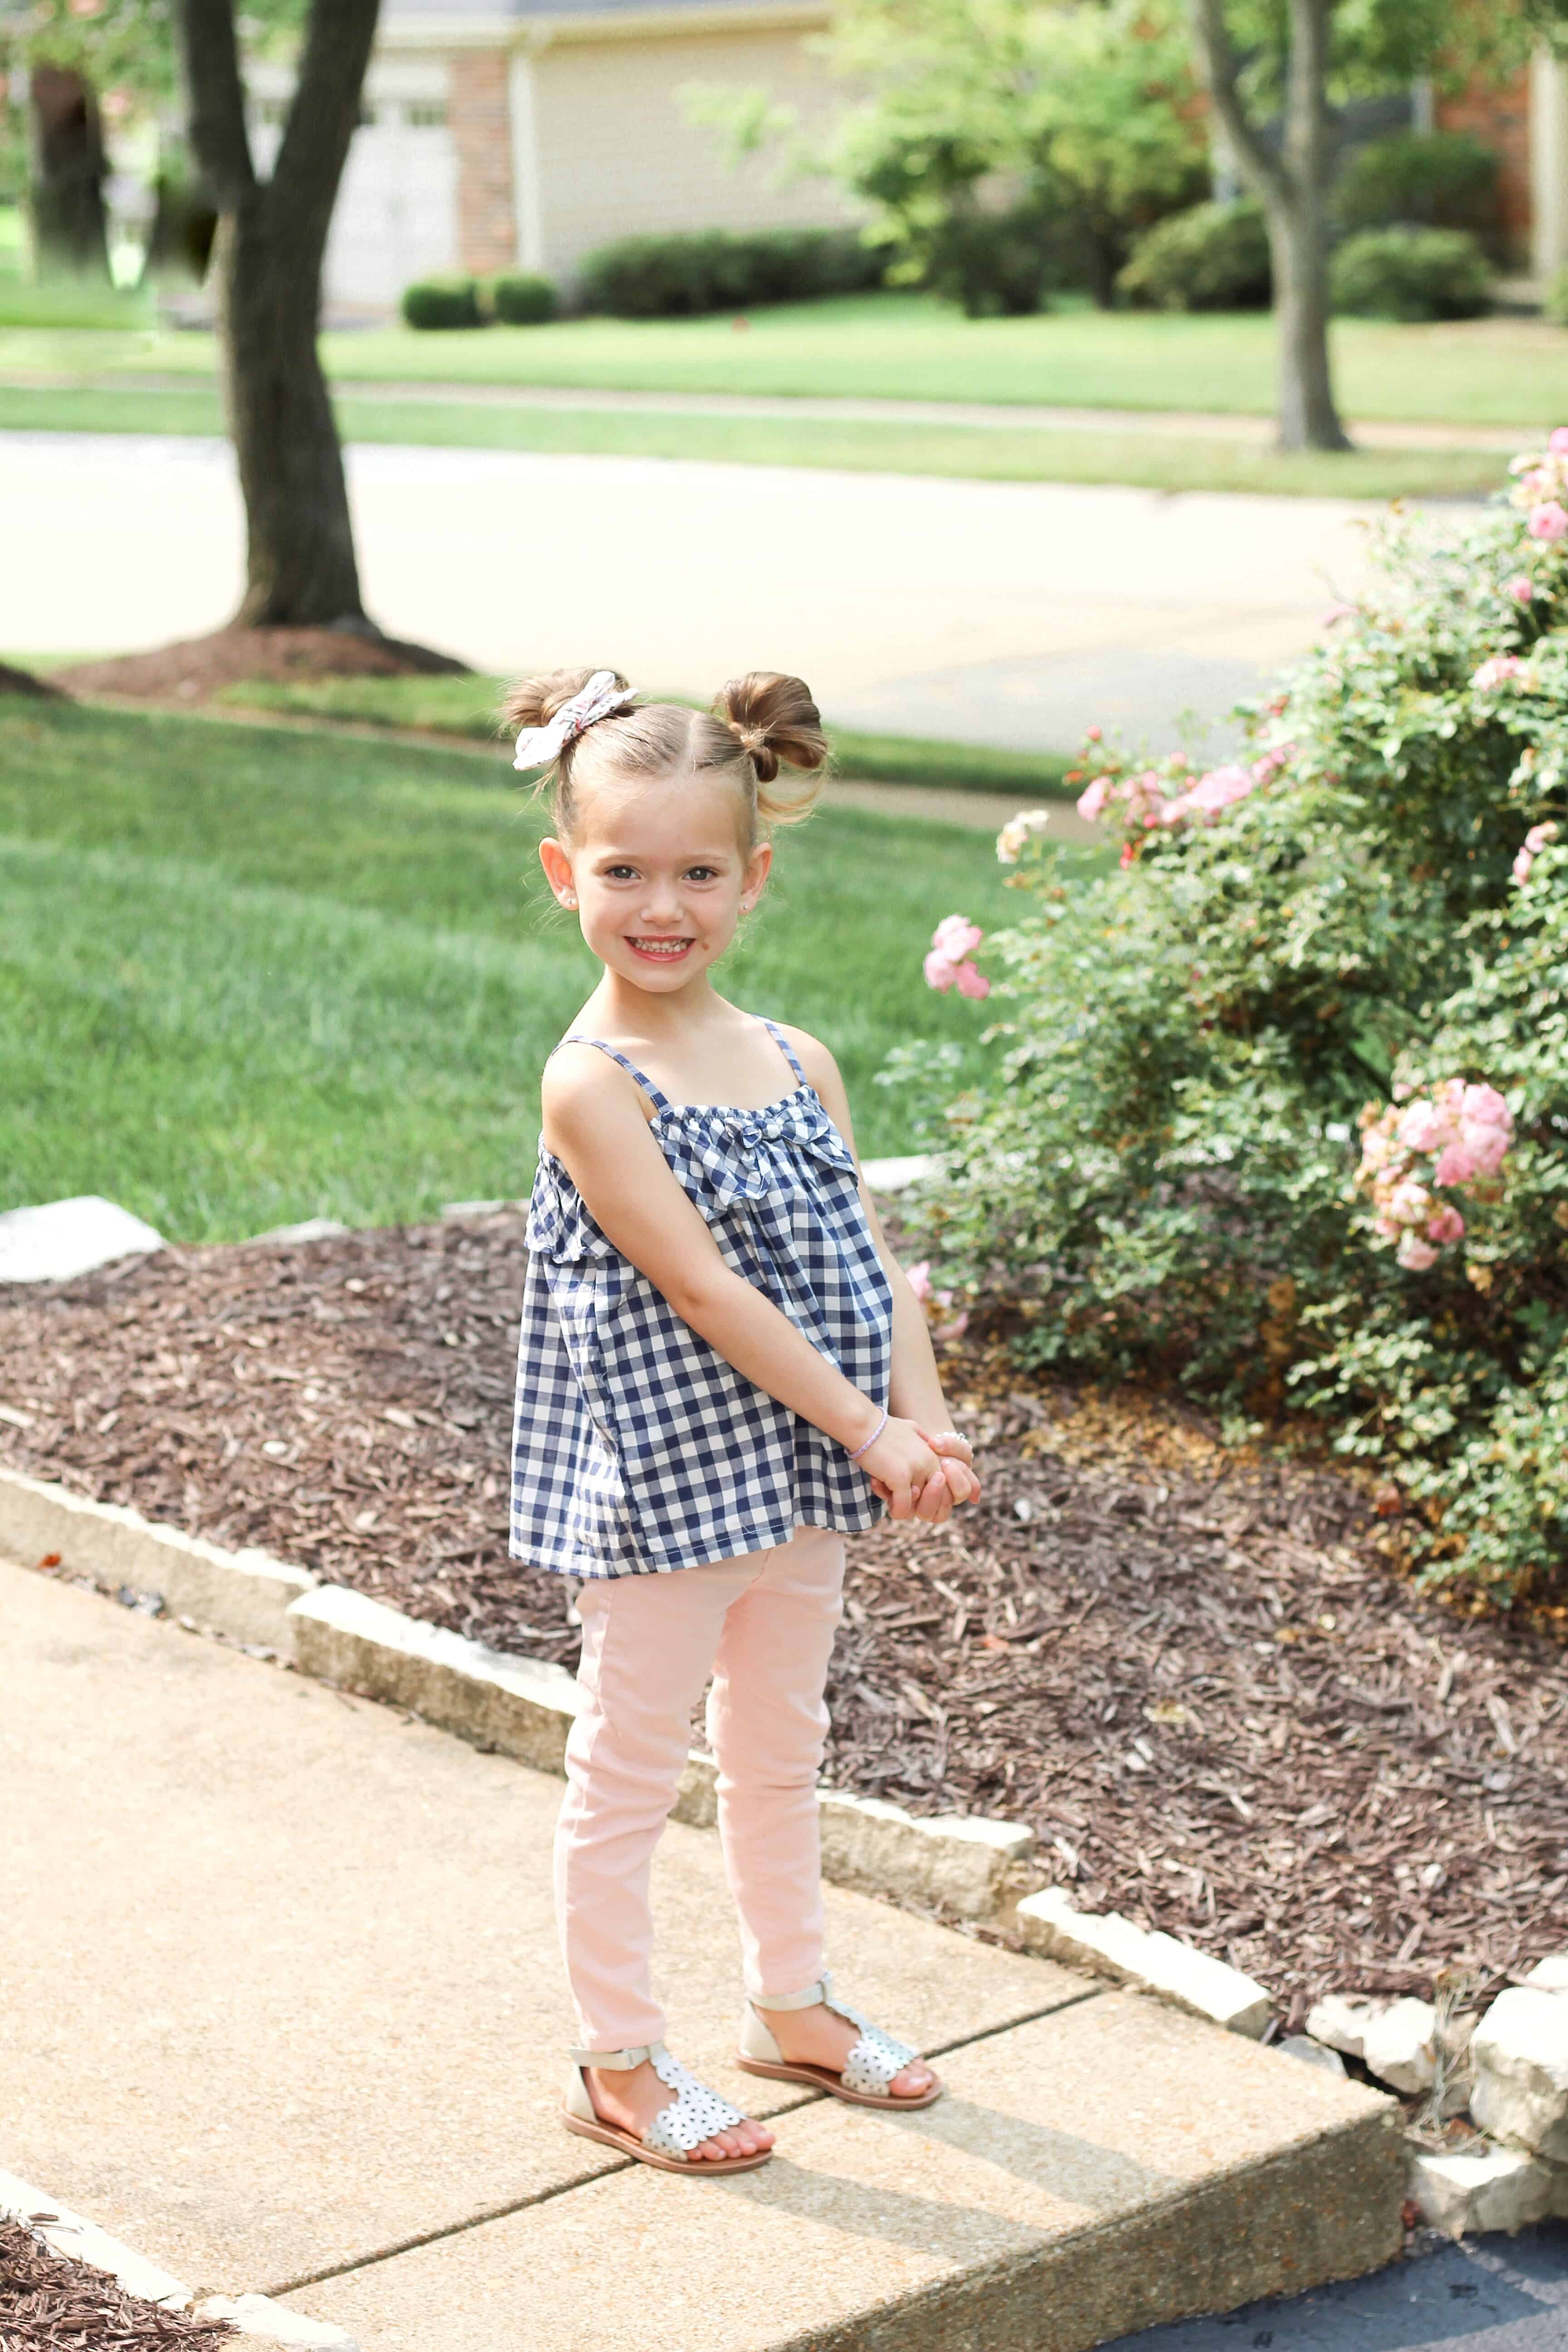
[[534, 702], [776, 720]]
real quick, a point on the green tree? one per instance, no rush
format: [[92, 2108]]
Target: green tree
[[1086, 118]]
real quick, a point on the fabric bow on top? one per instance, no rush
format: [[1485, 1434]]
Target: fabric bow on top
[[724, 1152], [600, 699]]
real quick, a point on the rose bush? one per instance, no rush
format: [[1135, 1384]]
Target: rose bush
[[1280, 1107]]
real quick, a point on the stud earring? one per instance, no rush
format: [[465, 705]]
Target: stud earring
[[570, 899]]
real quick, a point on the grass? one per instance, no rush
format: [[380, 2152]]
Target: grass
[[244, 982], [467, 707], [1025, 453], [907, 346]]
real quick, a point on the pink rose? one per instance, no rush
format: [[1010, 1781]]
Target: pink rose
[[1539, 835], [1445, 1226], [1521, 588], [1486, 1107], [1415, 1255], [1093, 797], [1523, 863], [1493, 672], [1175, 809], [970, 982], [1488, 1147], [1410, 1203], [1219, 788], [1548, 522], [1093, 734], [956, 937], [1424, 1128], [919, 1278], [940, 970], [1557, 441], [1455, 1165]]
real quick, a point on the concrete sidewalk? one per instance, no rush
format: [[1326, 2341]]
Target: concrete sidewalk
[[282, 2010]]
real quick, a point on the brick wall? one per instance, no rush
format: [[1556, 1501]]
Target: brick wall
[[479, 118], [1499, 118]]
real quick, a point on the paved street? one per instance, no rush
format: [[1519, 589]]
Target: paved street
[[992, 611]]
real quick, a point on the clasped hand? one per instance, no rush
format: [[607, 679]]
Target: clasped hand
[[920, 1475]]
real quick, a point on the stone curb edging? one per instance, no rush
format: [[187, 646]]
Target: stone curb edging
[[255, 2315]]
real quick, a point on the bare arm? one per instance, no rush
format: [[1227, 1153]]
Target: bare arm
[[594, 1124]]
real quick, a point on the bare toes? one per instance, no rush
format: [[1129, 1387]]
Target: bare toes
[[912, 2082]]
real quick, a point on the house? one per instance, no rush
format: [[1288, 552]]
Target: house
[[501, 134]]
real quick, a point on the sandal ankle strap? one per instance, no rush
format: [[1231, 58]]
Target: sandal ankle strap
[[616, 2061], [813, 1997]]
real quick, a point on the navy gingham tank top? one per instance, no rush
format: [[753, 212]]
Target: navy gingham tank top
[[636, 1448]]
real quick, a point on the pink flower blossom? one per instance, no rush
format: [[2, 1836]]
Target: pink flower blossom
[[1175, 809], [1335, 613], [919, 1278], [973, 982], [1557, 441], [1415, 1255], [1521, 588], [1493, 672], [1445, 1226], [940, 970], [1219, 788], [1410, 1203], [1423, 1127], [1125, 860], [1093, 734], [1455, 1165], [956, 936], [1485, 1107], [1548, 522], [1092, 799], [1536, 839]]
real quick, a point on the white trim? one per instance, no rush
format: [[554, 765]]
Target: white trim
[[527, 208], [446, 35]]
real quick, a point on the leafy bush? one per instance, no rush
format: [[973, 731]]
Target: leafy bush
[[520, 299], [442, 302], [712, 270], [1211, 257], [1444, 179], [1361, 925], [995, 264], [1409, 273]]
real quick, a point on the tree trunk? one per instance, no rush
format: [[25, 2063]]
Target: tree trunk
[[1298, 248], [266, 262], [70, 235], [300, 552]]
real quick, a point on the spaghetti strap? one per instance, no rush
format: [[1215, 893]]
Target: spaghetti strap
[[658, 1101], [786, 1048]]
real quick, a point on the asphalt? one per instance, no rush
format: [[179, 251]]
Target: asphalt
[[1490, 2295]]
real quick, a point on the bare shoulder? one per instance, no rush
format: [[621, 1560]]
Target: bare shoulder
[[582, 1086], [814, 1057]]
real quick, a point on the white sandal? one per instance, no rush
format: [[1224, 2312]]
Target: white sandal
[[875, 2060], [694, 2115]]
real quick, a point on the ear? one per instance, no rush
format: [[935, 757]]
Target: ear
[[754, 881], [558, 871]]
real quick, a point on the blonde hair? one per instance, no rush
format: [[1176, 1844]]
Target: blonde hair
[[757, 725]]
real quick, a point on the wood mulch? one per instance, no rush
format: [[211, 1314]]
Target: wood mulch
[[194, 667], [1195, 1673], [49, 2303]]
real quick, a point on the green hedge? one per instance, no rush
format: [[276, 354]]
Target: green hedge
[[1212, 257], [442, 302], [713, 269], [1409, 273], [1442, 180]]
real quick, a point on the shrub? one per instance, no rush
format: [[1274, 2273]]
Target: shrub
[[1211, 257], [995, 264], [442, 302], [520, 299], [1444, 179], [1360, 925], [1409, 273], [712, 270]]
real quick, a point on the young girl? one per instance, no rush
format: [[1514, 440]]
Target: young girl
[[722, 1371]]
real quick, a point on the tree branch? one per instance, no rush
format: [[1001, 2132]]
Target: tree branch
[[322, 121], [210, 54], [1221, 70]]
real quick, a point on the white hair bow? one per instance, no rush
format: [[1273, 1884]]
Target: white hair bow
[[600, 699]]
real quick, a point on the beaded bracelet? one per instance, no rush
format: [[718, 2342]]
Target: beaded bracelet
[[872, 1439]]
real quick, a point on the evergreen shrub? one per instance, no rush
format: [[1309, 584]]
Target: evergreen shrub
[[1212, 257], [522, 298], [433, 302], [1278, 1108], [715, 269], [1443, 179], [1409, 273]]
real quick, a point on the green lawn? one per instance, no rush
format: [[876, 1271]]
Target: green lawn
[[468, 706], [245, 979], [906, 346], [1025, 453]]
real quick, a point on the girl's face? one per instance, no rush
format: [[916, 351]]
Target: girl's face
[[659, 875]]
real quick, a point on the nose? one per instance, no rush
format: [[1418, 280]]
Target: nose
[[662, 906]]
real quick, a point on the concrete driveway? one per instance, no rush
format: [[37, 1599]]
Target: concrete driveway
[[989, 611]]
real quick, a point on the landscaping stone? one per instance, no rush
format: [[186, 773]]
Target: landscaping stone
[[256, 2316], [1399, 2045], [310, 1229], [1550, 1975], [246, 1594], [1339, 2022], [60, 1239], [1311, 2052], [956, 1863], [1488, 2188], [1112, 1946], [67, 2233], [1520, 2055]]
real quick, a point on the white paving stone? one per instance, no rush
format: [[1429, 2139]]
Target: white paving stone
[[1112, 1946], [1400, 2045], [58, 1240], [256, 2316], [1339, 2022], [1550, 1975], [1520, 2055], [1489, 2189]]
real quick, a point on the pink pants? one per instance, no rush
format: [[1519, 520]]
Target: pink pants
[[763, 1624]]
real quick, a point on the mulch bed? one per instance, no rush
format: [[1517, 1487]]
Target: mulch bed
[[49, 2303], [1195, 1673], [194, 667]]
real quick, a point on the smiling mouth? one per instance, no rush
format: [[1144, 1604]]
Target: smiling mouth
[[661, 951]]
